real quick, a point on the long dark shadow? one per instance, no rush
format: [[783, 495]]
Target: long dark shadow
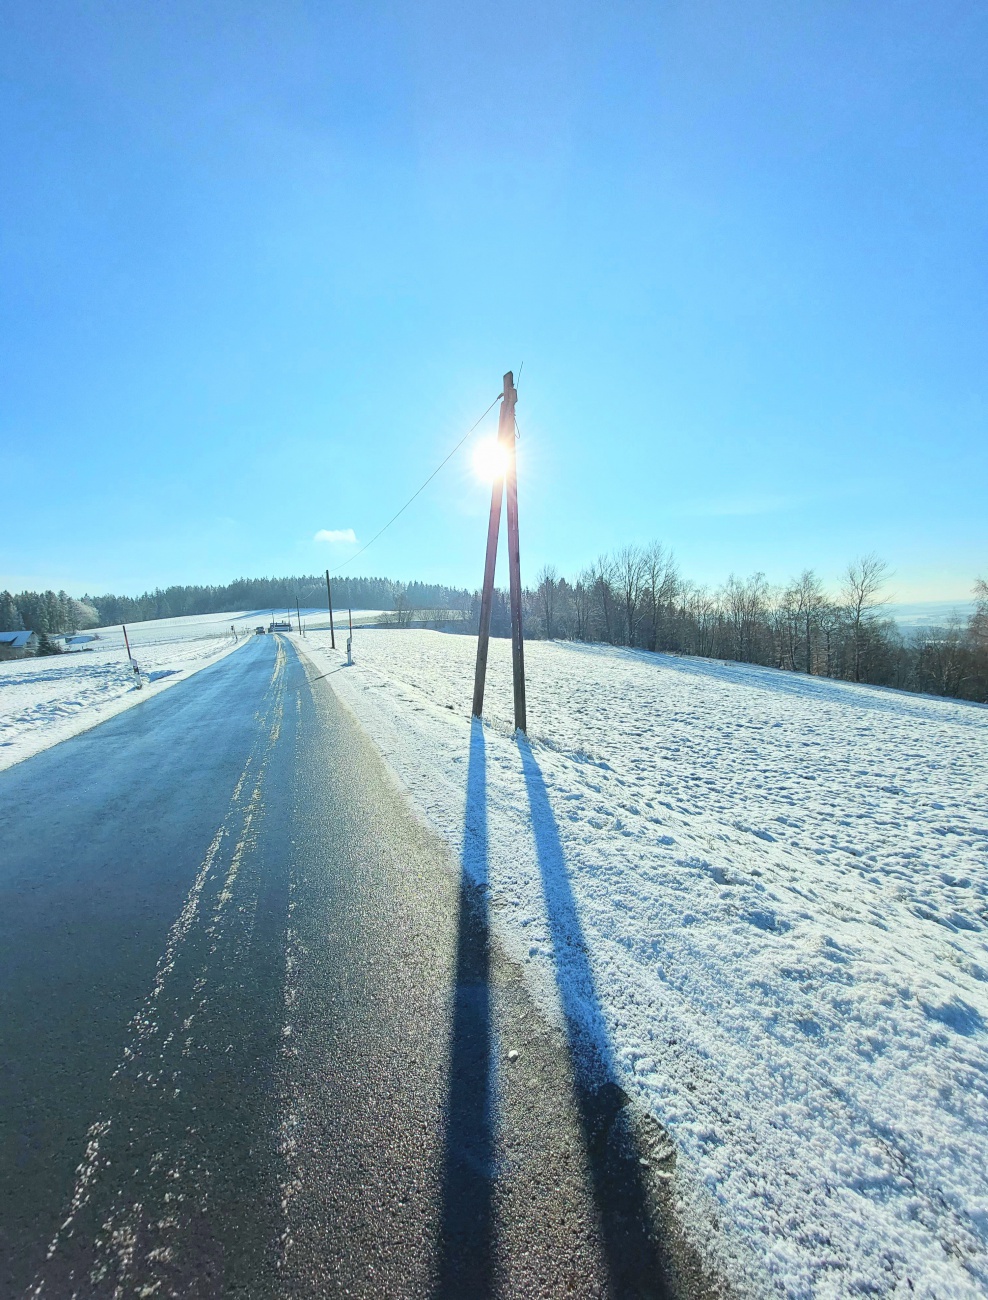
[[634, 1258], [465, 1266]]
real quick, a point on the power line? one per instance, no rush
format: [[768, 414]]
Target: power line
[[418, 492], [421, 489]]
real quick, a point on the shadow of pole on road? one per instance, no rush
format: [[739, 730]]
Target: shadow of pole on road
[[466, 1231], [632, 1252], [465, 1266]]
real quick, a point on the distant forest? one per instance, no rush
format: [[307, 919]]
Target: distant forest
[[44, 611], [634, 597], [56, 612]]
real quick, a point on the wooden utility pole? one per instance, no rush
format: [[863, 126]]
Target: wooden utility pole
[[506, 441], [514, 576], [329, 597], [298, 615]]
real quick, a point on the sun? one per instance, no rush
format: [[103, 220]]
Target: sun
[[490, 460]]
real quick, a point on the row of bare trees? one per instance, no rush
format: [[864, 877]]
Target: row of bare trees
[[637, 597]]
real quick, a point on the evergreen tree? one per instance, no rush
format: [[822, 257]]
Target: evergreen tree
[[10, 616], [53, 612]]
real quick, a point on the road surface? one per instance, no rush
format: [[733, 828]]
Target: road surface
[[255, 1039]]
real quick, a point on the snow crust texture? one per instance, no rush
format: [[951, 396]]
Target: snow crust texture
[[780, 885]]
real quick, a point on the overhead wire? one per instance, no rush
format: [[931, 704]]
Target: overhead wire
[[379, 533], [421, 489]]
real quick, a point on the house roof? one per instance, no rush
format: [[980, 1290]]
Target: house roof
[[18, 640]]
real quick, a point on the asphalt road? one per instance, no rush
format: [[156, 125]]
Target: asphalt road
[[255, 1039]]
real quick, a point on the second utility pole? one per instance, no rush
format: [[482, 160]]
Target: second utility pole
[[509, 480], [329, 597]]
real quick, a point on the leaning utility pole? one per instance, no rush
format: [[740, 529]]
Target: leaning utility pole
[[329, 597], [506, 441]]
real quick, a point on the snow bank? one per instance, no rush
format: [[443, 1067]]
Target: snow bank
[[781, 888], [44, 701]]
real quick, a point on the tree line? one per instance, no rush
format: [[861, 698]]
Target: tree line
[[52, 612], [271, 593], [637, 597], [633, 597]]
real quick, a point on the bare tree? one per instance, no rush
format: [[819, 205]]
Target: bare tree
[[403, 610], [943, 660], [548, 584], [785, 626], [698, 613], [660, 582], [800, 608], [830, 620], [745, 605], [811, 604], [630, 573], [863, 580], [582, 604], [977, 639], [603, 592], [978, 626]]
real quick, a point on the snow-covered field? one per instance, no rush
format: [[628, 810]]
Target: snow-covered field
[[43, 701], [780, 885]]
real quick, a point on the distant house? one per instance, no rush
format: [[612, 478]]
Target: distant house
[[15, 645], [80, 639]]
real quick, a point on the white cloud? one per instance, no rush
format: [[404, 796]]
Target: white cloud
[[335, 535]]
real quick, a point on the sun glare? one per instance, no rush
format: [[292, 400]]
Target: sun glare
[[489, 460]]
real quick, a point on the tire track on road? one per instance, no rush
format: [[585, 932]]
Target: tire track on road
[[151, 1200]]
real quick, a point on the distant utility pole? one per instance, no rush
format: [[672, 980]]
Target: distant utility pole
[[506, 441], [298, 615], [329, 597]]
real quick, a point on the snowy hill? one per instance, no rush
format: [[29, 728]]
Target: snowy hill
[[777, 887]]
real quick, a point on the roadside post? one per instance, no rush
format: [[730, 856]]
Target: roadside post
[[329, 597], [138, 683]]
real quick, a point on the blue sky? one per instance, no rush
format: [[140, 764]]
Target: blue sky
[[262, 265]]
